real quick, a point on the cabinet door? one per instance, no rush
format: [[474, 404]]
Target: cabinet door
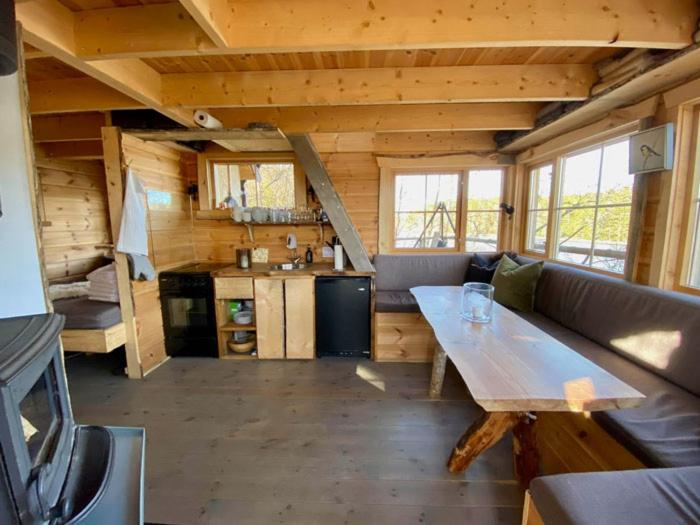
[[299, 314], [269, 318]]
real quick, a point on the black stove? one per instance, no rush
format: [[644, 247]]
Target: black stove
[[187, 303]]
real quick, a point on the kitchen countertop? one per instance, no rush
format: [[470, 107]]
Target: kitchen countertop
[[263, 269]]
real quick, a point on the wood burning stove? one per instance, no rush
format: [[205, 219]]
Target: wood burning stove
[[53, 471]]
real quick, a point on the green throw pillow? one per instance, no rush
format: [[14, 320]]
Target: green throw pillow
[[515, 285]]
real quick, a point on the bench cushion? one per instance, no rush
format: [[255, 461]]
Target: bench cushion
[[642, 497], [665, 430], [401, 272], [399, 302], [657, 329], [82, 313]]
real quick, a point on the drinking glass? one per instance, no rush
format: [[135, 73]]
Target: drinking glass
[[477, 301]]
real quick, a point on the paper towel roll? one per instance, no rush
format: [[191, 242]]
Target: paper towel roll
[[205, 120], [338, 254]]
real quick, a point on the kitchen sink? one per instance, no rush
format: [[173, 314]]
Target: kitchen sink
[[287, 267]]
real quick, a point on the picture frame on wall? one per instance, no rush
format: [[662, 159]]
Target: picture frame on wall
[[651, 150]]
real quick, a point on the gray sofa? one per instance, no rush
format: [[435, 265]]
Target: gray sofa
[[640, 497], [647, 337]]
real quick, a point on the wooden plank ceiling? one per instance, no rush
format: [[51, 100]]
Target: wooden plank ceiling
[[297, 64]]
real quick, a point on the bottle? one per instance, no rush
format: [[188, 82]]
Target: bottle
[[309, 255]]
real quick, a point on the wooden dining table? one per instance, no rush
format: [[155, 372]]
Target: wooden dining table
[[512, 370]]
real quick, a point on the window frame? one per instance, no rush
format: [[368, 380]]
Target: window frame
[[388, 198], [557, 161], [206, 185], [526, 207], [691, 211]]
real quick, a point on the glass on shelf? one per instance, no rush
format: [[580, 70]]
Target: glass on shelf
[[477, 302]]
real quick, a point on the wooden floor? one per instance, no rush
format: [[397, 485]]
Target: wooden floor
[[322, 442]]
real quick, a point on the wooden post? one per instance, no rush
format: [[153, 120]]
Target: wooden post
[[437, 377], [485, 432], [112, 146]]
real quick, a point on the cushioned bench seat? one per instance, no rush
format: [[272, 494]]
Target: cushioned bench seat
[[83, 314], [395, 301], [640, 497], [665, 430]]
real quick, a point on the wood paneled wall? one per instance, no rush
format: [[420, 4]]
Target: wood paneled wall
[[75, 220], [162, 171], [356, 178]]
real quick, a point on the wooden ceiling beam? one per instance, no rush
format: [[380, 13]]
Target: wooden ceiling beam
[[143, 31], [49, 25], [68, 128], [76, 94], [214, 17], [405, 142], [409, 117], [283, 26], [380, 86]]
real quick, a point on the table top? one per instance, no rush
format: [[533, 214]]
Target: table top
[[511, 365]]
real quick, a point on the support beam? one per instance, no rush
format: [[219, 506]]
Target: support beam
[[49, 25], [410, 117], [71, 127], [144, 31], [677, 70], [380, 86], [404, 142], [76, 94], [263, 26], [78, 150], [214, 17], [323, 186]]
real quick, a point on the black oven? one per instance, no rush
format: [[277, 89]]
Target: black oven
[[187, 302]]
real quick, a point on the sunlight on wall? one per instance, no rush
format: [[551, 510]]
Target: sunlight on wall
[[374, 379], [655, 347]]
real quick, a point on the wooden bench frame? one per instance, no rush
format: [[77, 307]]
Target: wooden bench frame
[[403, 337], [97, 340]]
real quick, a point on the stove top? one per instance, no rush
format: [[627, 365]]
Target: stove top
[[199, 268]]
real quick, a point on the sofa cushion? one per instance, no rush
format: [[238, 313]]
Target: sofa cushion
[[389, 301], [658, 329], [401, 272], [515, 284], [482, 266], [643, 497], [665, 430]]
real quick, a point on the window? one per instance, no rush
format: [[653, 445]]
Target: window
[[593, 207], [268, 184], [538, 208], [425, 210], [483, 210], [693, 262], [449, 210]]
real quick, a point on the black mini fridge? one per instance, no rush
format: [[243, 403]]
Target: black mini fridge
[[343, 316]]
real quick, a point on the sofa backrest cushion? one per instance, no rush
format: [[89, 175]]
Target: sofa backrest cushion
[[401, 272], [658, 329]]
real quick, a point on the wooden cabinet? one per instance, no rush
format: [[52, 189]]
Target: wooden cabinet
[[269, 314], [299, 313]]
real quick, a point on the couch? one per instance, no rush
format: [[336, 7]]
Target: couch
[[647, 337], [640, 497]]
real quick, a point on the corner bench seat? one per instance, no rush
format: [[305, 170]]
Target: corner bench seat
[[644, 336], [644, 497]]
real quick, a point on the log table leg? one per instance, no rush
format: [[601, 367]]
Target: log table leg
[[525, 454], [437, 377], [481, 435]]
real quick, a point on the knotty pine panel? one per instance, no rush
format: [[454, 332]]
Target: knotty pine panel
[[74, 217]]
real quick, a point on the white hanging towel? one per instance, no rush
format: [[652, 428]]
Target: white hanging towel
[[133, 237]]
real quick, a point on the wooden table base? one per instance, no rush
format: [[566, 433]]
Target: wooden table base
[[487, 430], [437, 377]]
